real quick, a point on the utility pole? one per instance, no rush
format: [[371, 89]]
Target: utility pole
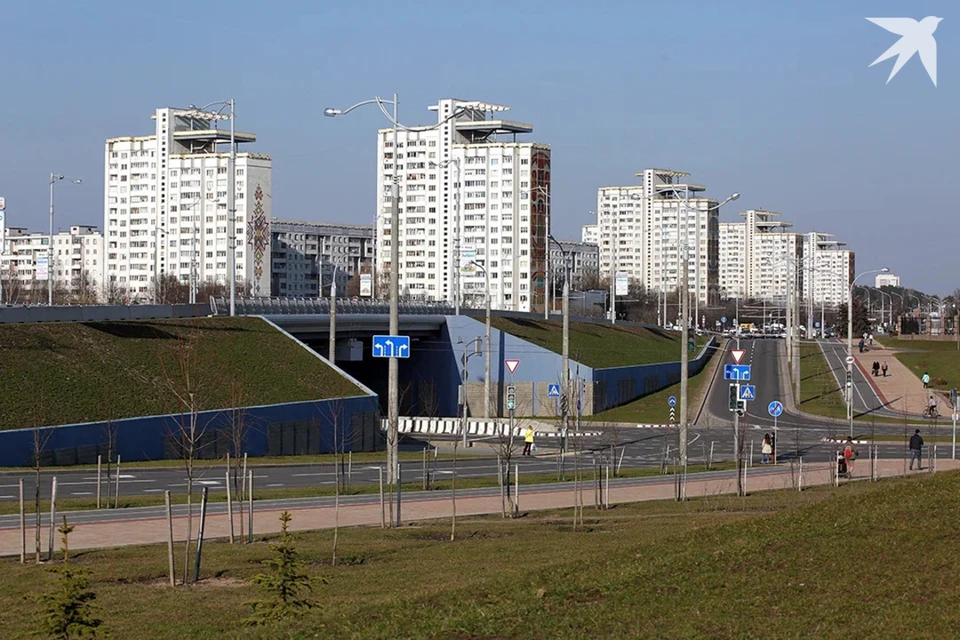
[[684, 290], [232, 207], [393, 371], [798, 306]]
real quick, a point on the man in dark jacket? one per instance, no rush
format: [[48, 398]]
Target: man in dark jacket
[[916, 445]]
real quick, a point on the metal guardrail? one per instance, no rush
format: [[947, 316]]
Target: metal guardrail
[[220, 305]]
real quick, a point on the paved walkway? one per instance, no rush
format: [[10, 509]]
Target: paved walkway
[[418, 507], [901, 390]]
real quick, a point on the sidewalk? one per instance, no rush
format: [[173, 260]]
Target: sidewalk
[[415, 507], [901, 390]]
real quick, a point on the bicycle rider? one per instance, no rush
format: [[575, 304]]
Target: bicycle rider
[[932, 407]]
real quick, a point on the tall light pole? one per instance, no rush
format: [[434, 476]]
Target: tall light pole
[[54, 179], [853, 283], [486, 355], [231, 188], [456, 231], [393, 383], [684, 320]]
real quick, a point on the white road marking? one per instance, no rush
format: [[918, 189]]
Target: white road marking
[[276, 484], [81, 493], [208, 482], [153, 490]]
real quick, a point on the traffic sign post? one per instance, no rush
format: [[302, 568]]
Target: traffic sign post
[[775, 408], [672, 401], [553, 391], [748, 392], [391, 346]]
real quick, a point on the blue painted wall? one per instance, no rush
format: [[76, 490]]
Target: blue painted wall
[[283, 429]]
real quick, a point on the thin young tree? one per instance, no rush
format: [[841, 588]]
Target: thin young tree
[[39, 443], [239, 425], [186, 378], [335, 412]]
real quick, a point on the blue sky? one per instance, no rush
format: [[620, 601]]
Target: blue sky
[[773, 99]]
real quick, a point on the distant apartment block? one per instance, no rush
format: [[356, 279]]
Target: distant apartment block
[[733, 254], [76, 267], [590, 234], [579, 259], [886, 280], [305, 253], [165, 206]]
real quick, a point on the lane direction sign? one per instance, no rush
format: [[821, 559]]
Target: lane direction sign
[[736, 372], [723, 319], [748, 392], [672, 401], [391, 346], [775, 408], [553, 391], [737, 355], [512, 365]]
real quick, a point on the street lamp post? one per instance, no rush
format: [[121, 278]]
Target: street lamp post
[[684, 319], [565, 374], [393, 391], [54, 179], [850, 343], [486, 355], [231, 190]]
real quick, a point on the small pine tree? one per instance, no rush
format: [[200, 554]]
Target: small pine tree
[[67, 610], [285, 583]]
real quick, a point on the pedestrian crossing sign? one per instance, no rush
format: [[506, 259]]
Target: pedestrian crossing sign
[[748, 392]]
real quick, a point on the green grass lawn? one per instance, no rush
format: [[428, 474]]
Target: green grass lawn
[[938, 358], [63, 373], [865, 560], [653, 408], [598, 345]]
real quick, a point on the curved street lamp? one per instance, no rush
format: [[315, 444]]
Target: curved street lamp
[[54, 179], [393, 385]]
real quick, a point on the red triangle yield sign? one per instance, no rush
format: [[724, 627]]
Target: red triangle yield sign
[[512, 365], [737, 355]]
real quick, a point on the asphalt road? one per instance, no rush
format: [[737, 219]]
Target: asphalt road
[[865, 399]]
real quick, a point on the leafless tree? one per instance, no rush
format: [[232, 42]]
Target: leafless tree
[[239, 425], [114, 293], [83, 288], [15, 289], [40, 439], [184, 376], [335, 412]]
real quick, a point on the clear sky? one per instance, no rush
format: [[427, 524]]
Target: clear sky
[[771, 98]]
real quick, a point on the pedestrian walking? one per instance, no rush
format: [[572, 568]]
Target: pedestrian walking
[[876, 368], [766, 449], [871, 339], [883, 367], [860, 344], [528, 440], [916, 449], [926, 380], [850, 454]]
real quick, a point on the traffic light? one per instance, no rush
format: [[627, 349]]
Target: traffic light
[[849, 378], [692, 342], [511, 397], [953, 397], [734, 397]]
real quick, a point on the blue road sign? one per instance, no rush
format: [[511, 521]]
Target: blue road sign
[[736, 372], [723, 319], [748, 392], [775, 408], [391, 346], [553, 391], [672, 401]]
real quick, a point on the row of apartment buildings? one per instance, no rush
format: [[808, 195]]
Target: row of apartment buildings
[[474, 208], [646, 231]]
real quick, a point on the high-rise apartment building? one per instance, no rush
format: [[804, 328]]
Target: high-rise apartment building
[[500, 224], [733, 268], [771, 255], [165, 206], [76, 267], [647, 230], [829, 268], [304, 253]]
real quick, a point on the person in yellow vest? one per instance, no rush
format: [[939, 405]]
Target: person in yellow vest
[[528, 440]]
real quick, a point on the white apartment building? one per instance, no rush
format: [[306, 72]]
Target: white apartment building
[[830, 269], [886, 280], [579, 259], [165, 206], [772, 255], [733, 268], [504, 189], [590, 234], [77, 263], [646, 229]]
